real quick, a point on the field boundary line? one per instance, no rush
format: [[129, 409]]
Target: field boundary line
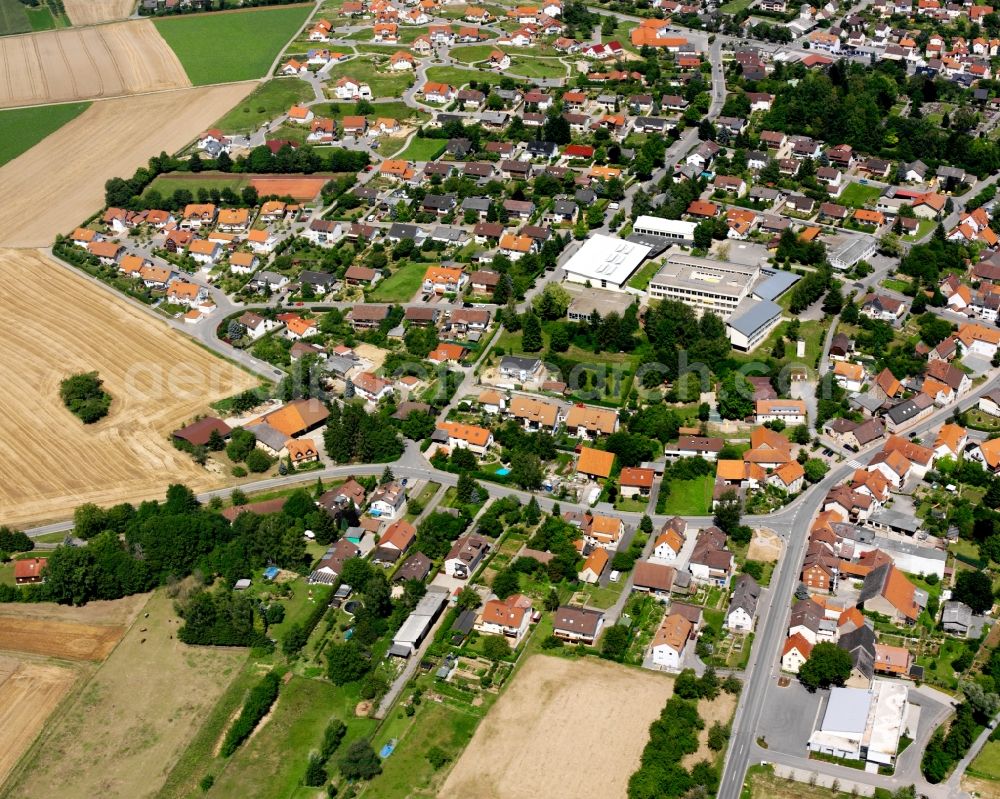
[[133, 94]]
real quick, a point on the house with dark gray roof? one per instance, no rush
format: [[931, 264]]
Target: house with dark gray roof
[[860, 645], [743, 604]]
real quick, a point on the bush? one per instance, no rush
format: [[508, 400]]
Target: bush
[[315, 772], [437, 757], [551, 642], [258, 461], [206, 783], [257, 705], [84, 396], [360, 761], [332, 736]]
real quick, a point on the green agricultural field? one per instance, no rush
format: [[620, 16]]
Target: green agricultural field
[[13, 18], [237, 45], [264, 104], [383, 84], [689, 497], [856, 195], [43, 19], [421, 149], [22, 128], [458, 77], [401, 285]]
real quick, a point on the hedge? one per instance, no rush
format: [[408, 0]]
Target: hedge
[[258, 703]]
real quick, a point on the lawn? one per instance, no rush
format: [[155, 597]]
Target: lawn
[[168, 184], [22, 128], [894, 284], [383, 84], [396, 109], [13, 17], [538, 67], [264, 104], [987, 762], [421, 149], [689, 497], [636, 505], [474, 52], [401, 285], [856, 195], [273, 762], [735, 6], [237, 45], [761, 783], [640, 280], [407, 772], [458, 77]]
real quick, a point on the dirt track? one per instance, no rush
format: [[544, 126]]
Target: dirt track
[[58, 639], [89, 12], [62, 178], [87, 63], [562, 730], [156, 377], [29, 692]]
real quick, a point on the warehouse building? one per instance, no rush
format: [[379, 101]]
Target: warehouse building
[[866, 724]]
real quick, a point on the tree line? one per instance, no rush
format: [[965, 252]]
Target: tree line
[[132, 549], [126, 192]]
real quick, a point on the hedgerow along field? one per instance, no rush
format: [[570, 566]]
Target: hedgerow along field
[[231, 46], [22, 128]]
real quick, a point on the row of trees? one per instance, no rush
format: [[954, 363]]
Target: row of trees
[[126, 192], [134, 549]]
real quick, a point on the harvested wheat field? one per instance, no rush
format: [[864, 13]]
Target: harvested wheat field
[[87, 63], [540, 738], [115, 612], [29, 692], [65, 173], [157, 379], [120, 735], [90, 12], [765, 546], [58, 639]]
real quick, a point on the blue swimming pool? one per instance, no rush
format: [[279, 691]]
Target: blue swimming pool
[[503, 471]]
